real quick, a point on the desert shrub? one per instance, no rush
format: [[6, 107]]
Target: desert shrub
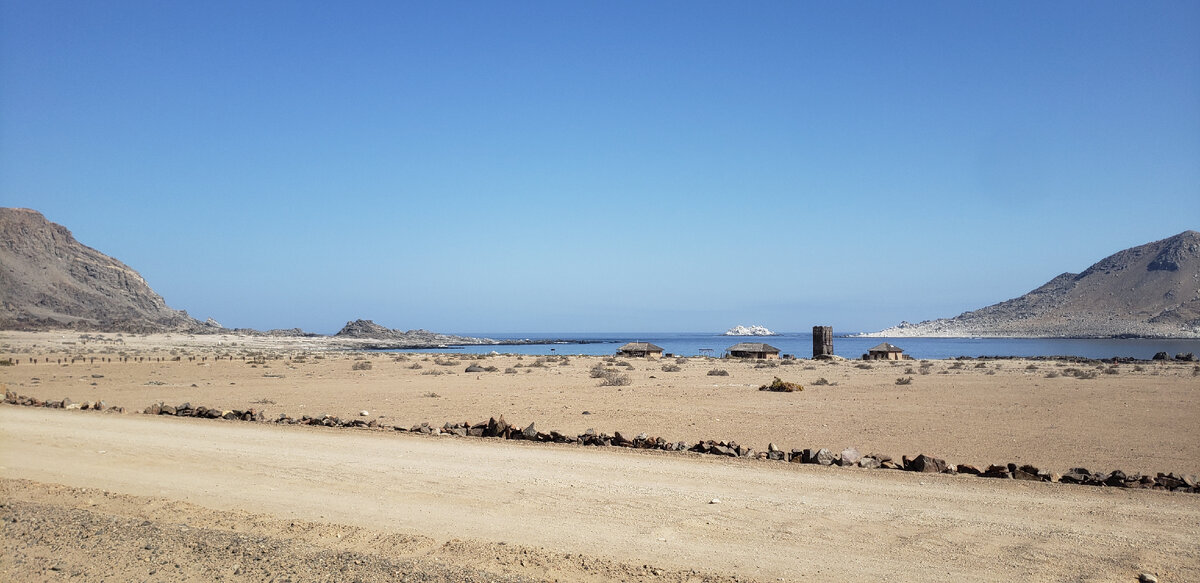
[[445, 361], [681, 360], [415, 366], [615, 379], [434, 373], [564, 361], [863, 366], [671, 368], [1052, 374], [904, 381], [510, 370], [821, 382], [1081, 374], [432, 395], [981, 365], [1112, 370], [598, 371], [1031, 367], [956, 365], [626, 364], [767, 364], [909, 370], [781, 386], [1138, 368], [400, 358], [361, 365], [810, 367], [1196, 370], [7, 362], [718, 372]]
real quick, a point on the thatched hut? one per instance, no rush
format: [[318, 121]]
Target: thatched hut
[[640, 350], [885, 351], [757, 350]]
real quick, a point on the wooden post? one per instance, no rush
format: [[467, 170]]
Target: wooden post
[[822, 341]]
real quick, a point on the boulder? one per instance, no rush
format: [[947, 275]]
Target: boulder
[[850, 457], [968, 469], [529, 432], [926, 464], [868, 462], [825, 457], [1161, 356]]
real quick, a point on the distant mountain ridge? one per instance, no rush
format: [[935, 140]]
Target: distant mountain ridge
[[1151, 290], [51, 281]]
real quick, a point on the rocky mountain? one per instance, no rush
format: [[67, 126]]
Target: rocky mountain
[[1152, 290], [48, 280], [368, 330]]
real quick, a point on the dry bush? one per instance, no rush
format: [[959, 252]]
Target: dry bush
[[904, 381], [781, 386], [671, 368], [718, 372], [361, 365], [615, 379]]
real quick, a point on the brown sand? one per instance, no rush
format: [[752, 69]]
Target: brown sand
[[1135, 420]]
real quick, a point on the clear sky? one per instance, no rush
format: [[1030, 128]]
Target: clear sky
[[601, 166]]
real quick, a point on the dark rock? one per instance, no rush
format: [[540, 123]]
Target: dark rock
[[1116, 478], [926, 464], [968, 469], [530, 432], [995, 471], [1161, 356], [620, 440], [723, 450]]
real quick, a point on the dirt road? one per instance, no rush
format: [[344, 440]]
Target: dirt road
[[675, 512]]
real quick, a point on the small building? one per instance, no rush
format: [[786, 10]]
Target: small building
[[757, 350], [640, 350], [885, 351]]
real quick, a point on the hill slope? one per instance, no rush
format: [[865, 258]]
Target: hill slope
[[48, 280], [1151, 290]]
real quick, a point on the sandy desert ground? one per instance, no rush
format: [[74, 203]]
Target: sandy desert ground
[[469, 509]]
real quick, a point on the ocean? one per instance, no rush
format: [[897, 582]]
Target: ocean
[[800, 345]]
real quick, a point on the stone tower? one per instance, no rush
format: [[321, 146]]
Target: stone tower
[[822, 341]]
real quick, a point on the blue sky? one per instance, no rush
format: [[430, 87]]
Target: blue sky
[[601, 166]]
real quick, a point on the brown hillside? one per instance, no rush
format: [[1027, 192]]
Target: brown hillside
[[50, 280], [1148, 290]]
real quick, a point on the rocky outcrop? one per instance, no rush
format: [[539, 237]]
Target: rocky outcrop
[[52, 281], [1147, 291], [368, 330]]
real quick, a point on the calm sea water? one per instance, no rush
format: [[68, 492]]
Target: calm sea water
[[800, 345]]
